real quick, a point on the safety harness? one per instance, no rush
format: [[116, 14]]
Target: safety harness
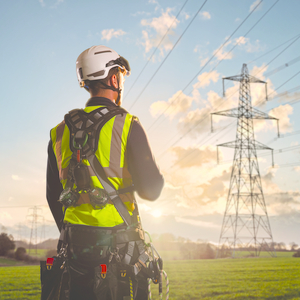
[[84, 137]]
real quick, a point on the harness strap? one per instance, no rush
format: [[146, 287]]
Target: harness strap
[[128, 256], [110, 189], [103, 237]]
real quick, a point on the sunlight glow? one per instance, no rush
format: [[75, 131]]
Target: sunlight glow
[[156, 213]]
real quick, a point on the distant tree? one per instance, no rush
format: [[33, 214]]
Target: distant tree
[[192, 250], [20, 253], [6, 243], [224, 252], [154, 237], [293, 246], [181, 239], [51, 253], [281, 246], [167, 237]]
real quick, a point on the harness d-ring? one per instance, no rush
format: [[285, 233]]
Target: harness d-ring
[[80, 146]]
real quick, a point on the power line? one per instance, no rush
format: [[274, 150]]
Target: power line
[[278, 151], [138, 97], [252, 61], [282, 67], [215, 53], [149, 59]]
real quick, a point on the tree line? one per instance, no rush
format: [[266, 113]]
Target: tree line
[[183, 248]]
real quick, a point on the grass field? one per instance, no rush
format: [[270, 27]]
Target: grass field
[[252, 278]]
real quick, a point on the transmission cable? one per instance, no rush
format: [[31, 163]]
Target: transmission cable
[[288, 64], [181, 92], [283, 50], [287, 149], [138, 97], [250, 62], [149, 59]]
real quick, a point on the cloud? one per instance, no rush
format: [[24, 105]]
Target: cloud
[[216, 187], [255, 47], [55, 5], [5, 216], [206, 78], [197, 223], [241, 40], [16, 177], [204, 61], [297, 169], [156, 28], [186, 15], [254, 4], [288, 97], [108, 34], [189, 124], [178, 103], [222, 54], [205, 15], [194, 156], [282, 112]]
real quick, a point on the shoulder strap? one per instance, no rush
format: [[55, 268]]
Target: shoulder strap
[[81, 124]]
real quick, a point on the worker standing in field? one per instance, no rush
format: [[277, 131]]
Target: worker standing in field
[[97, 158]]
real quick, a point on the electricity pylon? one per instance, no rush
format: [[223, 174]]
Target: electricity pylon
[[246, 223], [34, 218]]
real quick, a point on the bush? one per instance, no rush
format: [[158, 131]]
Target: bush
[[192, 250], [31, 259], [297, 254], [20, 253], [10, 254], [51, 253], [6, 243]]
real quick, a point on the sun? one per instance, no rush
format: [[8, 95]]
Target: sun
[[156, 213]]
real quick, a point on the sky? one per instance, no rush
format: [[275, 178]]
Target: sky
[[179, 51]]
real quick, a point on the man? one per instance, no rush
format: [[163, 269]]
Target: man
[[96, 158]]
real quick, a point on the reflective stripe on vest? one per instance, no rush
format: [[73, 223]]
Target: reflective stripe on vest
[[111, 153]]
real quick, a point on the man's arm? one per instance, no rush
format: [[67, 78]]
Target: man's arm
[[54, 187], [147, 179]]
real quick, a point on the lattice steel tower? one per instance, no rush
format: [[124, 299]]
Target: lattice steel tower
[[245, 223]]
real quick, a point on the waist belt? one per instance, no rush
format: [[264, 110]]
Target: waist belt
[[90, 235]]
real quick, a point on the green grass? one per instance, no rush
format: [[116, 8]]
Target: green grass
[[9, 262], [20, 283], [37, 253], [239, 279]]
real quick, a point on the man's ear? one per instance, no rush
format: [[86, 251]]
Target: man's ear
[[114, 81]]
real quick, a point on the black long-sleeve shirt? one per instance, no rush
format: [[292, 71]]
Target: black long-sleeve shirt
[[147, 179]]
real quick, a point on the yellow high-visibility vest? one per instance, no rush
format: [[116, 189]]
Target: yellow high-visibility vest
[[111, 154]]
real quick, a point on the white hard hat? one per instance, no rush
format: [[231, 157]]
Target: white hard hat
[[95, 63]]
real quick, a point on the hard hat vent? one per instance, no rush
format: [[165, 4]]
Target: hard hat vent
[[96, 74], [107, 51]]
